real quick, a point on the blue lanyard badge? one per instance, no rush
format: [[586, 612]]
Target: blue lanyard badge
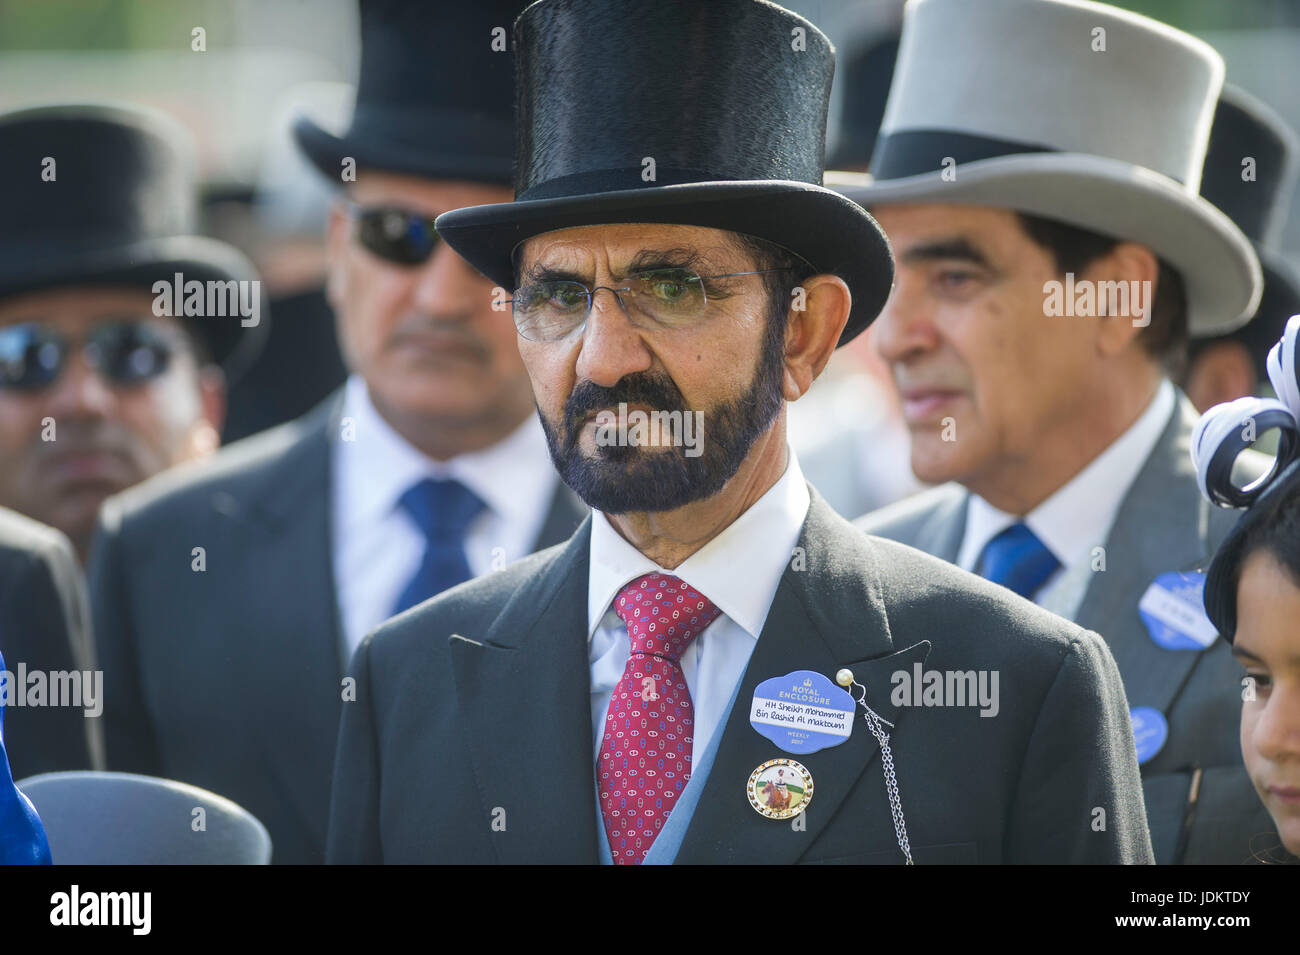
[[802, 712], [1173, 609], [1150, 730]]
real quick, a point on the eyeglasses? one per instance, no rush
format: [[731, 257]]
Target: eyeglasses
[[655, 298], [130, 352], [394, 234]]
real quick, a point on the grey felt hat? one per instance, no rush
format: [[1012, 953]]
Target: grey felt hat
[[1069, 110]]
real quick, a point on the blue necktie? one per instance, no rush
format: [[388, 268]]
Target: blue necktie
[[1018, 560], [443, 511]]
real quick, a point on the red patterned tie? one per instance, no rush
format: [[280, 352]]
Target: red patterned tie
[[645, 757]]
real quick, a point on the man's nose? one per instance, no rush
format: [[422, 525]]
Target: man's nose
[[80, 391], [906, 327], [612, 346], [448, 285]]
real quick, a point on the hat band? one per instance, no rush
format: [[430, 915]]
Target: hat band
[[615, 180], [916, 152]]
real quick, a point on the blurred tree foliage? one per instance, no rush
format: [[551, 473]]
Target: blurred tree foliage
[[111, 24]]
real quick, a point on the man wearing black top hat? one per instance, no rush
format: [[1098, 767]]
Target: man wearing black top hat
[[427, 468], [99, 389], [1251, 167], [102, 383], [673, 253]]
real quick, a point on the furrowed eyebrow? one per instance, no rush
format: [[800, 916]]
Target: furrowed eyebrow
[[545, 273], [648, 259], [959, 249]]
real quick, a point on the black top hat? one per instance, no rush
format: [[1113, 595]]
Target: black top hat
[[120, 208], [1245, 128], [863, 78], [434, 95], [728, 98]]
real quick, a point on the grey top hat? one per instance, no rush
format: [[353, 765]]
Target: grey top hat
[[1070, 110]]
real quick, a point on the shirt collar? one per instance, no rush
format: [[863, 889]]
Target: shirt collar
[[760, 542], [1078, 516], [378, 465]]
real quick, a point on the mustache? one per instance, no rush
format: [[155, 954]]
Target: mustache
[[75, 436], [458, 326], [657, 391]]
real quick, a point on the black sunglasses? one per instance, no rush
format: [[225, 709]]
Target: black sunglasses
[[127, 352], [395, 234]]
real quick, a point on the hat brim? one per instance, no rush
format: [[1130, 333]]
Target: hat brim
[[142, 263], [327, 152], [1216, 261], [833, 234]]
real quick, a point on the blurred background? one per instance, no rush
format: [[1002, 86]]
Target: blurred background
[[265, 60]]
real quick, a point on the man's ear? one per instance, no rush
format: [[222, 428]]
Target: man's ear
[[205, 436], [815, 318], [1223, 371], [1137, 267]]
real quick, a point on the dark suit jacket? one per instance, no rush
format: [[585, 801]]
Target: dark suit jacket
[[231, 678], [1162, 525], [474, 708], [44, 623]]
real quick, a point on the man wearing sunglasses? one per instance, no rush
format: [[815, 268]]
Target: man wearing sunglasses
[[605, 700], [427, 469], [97, 390]]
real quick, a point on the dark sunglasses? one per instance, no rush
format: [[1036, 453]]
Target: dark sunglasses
[[128, 352], [394, 234]]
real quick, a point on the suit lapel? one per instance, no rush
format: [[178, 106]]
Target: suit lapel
[[523, 689], [1159, 528], [941, 534], [826, 617], [562, 517], [282, 536]]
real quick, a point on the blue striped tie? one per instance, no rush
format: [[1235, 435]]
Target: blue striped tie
[[1018, 560], [443, 510]]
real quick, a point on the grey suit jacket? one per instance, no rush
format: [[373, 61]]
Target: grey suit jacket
[[45, 626], [229, 678], [1162, 525], [470, 737]]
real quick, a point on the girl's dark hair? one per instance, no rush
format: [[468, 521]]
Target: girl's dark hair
[[1277, 531]]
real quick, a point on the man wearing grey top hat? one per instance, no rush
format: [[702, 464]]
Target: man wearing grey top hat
[[1053, 256], [620, 698]]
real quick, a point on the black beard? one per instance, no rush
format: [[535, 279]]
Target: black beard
[[620, 479]]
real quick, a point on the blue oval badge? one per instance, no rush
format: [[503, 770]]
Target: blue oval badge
[[802, 712], [1150, 730], [1173, 609]]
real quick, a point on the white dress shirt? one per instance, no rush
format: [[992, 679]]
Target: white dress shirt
[[377, 546], [1078, 517], [738, 570]]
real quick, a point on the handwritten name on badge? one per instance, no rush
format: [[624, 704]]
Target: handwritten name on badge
[[801, 712]]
